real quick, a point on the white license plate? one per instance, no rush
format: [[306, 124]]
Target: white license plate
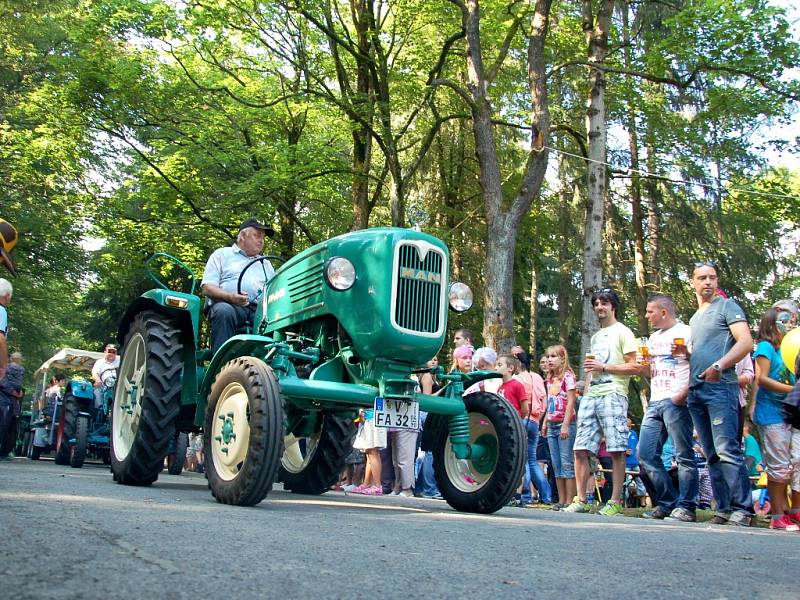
[[399, 414]]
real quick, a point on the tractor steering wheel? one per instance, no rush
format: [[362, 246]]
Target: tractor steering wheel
[[259, 259]]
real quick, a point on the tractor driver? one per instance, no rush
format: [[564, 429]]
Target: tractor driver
[[101, 369], [231, 310]]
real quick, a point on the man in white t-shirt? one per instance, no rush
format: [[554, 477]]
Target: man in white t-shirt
[[667, 414], [103, 368]]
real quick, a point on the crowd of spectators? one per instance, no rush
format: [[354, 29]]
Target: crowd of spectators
[[707, 384]]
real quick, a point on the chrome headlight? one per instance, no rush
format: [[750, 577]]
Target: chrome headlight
[[340, 273], [460, 296]]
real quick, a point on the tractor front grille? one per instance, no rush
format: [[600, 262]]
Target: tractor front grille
[[419, 283]]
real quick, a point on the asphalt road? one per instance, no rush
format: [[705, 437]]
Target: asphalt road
[[74, 533]]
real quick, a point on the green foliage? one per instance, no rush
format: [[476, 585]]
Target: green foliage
[[154, 125]]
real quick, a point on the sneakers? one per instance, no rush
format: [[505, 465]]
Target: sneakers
[[577, 506], [405, 494], [657, 513], [349, 487], [611, 509], [784, 523], [682, 514], [795, 517], [740, 518], [718, 520]]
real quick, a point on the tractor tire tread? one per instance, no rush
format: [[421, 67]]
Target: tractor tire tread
[[160, 401], [328, 461]]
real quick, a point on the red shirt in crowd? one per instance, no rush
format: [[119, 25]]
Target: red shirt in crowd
[[513, 391]]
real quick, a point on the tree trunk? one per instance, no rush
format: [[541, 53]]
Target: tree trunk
[[653, 209], [636, 186], [362, 160], [503, 222], [596, 31], [534, 309], [565, 263]]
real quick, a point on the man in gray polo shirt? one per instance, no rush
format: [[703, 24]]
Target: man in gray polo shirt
[[231, 310], [720, 338]]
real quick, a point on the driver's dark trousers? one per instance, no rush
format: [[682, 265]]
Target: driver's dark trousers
[[227, 320]]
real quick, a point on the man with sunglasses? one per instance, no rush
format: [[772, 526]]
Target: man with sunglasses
[[102, 368], [720, 338]]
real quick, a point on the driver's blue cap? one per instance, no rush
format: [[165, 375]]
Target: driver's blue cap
[[268, 231]]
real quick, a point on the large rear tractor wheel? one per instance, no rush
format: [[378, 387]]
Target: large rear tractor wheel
[[486, 484], [66, 429], [243, 432], [315, 468], [77, 452], [146, 398]]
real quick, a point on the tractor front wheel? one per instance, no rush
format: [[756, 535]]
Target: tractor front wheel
[[243, 432], [146, 398], [486, 484], [77, 452], [313, 467]]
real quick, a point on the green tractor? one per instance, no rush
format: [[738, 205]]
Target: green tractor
[[341, 326]]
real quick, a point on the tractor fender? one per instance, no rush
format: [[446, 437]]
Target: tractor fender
[[81, 389], [154, 300], [431, 430], [188, 323]]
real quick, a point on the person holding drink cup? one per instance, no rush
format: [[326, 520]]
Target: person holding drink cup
[[720, 338], [603, 411], [667, 414]]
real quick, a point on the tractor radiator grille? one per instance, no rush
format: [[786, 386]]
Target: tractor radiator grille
[[418, 285]]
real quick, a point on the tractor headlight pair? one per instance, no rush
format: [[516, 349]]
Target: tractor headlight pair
[[340, 273]]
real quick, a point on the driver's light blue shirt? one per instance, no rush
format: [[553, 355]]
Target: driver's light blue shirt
[[226, 264]]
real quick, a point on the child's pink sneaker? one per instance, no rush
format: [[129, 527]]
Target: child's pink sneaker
[[373, 491], [784, 523], [359, 489]]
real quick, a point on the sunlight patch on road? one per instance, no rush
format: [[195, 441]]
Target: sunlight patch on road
[[348, 504], [109, 502]]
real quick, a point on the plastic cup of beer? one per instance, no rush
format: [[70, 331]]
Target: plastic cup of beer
[[680, 346], [644, 352]]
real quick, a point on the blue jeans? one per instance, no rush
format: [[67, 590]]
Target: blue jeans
[[664, 419], [226, 319], [715, 413], [426, 482], [534, 471], [561, 454]]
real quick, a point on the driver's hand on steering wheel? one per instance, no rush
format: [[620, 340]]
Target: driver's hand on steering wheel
[[239, 299]]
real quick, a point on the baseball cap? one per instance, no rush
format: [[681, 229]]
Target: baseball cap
[[268, 231], [8, 240]]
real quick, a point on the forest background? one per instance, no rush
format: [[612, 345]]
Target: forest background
[[555, 146]]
